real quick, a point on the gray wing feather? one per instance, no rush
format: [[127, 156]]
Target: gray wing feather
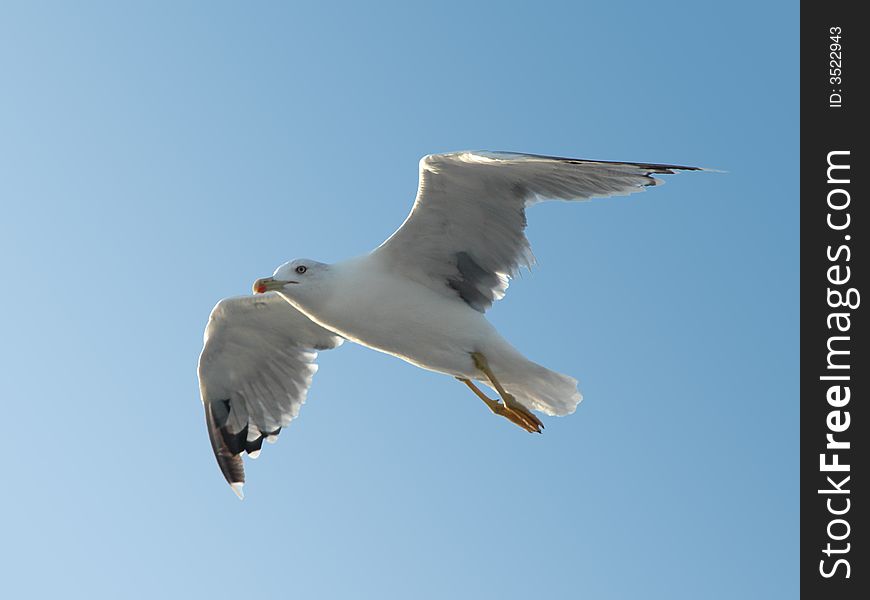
[[255, 369], [465, 234]]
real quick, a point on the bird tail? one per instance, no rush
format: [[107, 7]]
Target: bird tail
[[539, 388]]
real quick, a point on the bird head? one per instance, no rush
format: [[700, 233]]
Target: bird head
[[299, 279]]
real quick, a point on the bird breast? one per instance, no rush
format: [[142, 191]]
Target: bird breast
[[398, 316]]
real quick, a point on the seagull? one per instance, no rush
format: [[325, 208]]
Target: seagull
[[420, 296]]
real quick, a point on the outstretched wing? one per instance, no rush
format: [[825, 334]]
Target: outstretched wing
[[465, 234], [256, 365]]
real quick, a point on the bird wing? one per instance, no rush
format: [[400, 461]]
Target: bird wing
[[255, 369], [465, 234]]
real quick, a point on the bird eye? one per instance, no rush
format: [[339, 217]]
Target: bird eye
[[301, 269]]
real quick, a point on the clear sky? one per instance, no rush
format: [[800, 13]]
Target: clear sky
[[157, 158]]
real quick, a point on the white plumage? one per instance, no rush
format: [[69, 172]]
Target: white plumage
[[420, 296], [254, 372]]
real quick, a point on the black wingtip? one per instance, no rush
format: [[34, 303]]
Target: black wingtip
[[230, 463], [228, 446], [653, 168]]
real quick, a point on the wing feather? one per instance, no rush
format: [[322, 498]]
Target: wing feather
[[465, 235], [255, 369]]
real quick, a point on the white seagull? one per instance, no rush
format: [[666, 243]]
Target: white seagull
[[420, 296]]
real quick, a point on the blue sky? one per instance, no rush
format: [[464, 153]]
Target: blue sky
[[154, 159]]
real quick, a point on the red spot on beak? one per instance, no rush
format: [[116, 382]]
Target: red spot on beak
[[261, 287]]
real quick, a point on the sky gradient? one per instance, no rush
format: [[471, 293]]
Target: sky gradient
[[155, 159]]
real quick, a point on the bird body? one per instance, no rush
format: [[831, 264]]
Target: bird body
[[420, 296], [364, 302]]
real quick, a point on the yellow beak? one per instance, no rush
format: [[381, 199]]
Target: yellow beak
[[267, 284]]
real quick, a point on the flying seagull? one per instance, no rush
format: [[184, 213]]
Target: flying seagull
[[420, 296]]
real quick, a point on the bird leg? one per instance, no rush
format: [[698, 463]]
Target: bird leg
[[493, 405], [511, 409], [498, 408]]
